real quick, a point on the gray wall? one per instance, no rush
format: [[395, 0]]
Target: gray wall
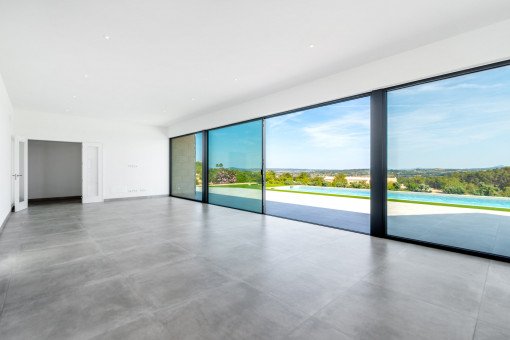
[[54, 169], [184, 166]]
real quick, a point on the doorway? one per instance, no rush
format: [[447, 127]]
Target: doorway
[[54, 171]]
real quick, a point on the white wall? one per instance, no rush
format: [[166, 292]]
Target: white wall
[[5, 153], [135, 157], [480, 47], [54, 169]]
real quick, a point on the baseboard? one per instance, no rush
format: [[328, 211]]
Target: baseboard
[[53, 199], [5, 221], [133, 198]]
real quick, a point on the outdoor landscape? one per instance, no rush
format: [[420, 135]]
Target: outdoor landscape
[[480, 182]]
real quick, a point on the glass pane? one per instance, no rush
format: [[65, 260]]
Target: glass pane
[[318, 165], [448, 162], [21, 172], [187, 166], [235, 166]]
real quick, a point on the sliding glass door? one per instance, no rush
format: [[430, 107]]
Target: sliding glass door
[[448, 152], [318, 165], [426, 161], [235, 166], [186, 166]]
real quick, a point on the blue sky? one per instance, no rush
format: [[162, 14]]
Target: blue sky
[[198, 146], [462, 122], [238, 146], [330, 137]]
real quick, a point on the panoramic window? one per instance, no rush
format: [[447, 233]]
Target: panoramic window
[[448, 162], [318, 165], [235, 166], [187, 166]]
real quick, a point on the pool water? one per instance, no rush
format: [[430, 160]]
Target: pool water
[[481, 201]]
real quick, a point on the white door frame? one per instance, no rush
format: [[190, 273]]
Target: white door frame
[[89, 196], [20, 174]]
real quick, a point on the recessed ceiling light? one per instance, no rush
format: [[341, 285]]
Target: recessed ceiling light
[[193, 99], [86, 75], [312, 45], [107, 37], [235, 79], [74, 97]]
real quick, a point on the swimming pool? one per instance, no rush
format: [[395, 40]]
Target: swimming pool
[[495, 202]]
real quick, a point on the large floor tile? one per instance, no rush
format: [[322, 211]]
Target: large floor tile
[[52, 240], [143, 328], [245, 259], [470, 267], [234, 311], [78, 314], [142, 258], [499, 271], [176, 283], [301, 284], [44, 258], [32, 285], [313, 329], [368, 311], [495, 307], [450, 291], [487, 331]]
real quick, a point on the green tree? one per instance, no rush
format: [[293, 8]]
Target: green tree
[[506, 192], [485, 190], [286, 176], [339, 180], [270, 177], [317, 181], [457, 190], [304, 178]]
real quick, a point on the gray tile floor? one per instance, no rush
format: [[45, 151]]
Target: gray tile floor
[[168, 268]]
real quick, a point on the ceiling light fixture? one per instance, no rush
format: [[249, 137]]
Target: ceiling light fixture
[[74, 97], [312, 45], [86, 76], [107, 37], [235, 79]]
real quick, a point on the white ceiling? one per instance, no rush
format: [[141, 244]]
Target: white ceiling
[[169, 60]]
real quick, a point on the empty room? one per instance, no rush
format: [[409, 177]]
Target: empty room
[[255, 170]]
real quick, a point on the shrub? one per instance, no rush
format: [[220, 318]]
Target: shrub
[[225, 176], [422, 188], [457, 190]]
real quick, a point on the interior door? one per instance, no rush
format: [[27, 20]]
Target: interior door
[[92, 172], [20, 173]]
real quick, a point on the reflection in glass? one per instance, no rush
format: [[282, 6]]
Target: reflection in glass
[[235, 166], [449, 159], [318, 165], [187, 166]]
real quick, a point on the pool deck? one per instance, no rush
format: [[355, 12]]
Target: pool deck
[[480, 230]]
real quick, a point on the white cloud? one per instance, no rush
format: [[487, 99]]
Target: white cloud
[[351, 130]]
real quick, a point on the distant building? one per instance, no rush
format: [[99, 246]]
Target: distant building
[[351, 179]]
